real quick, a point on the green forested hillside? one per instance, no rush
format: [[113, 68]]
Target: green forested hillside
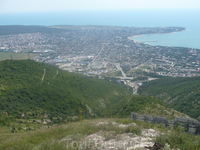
[[183, 94], [144, 105], [36, 89]]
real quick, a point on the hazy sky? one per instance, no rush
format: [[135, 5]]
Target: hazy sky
[[63, 5]]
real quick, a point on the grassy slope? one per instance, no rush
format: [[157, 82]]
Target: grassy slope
[[61, 137], [22, 90], [181, 93]]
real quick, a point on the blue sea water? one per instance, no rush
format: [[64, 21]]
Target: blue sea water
[[188, 18]]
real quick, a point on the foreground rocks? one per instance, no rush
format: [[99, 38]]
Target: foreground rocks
[[117, 136], [125, 141]]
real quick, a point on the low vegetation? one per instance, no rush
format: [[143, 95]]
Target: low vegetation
[[98, 134]]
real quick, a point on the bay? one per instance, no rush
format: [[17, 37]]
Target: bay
[[188, 18], [189, 38]]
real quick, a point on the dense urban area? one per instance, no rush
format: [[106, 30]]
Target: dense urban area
[[105, 51]]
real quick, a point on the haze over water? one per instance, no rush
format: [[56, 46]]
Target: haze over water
[[130, 18]]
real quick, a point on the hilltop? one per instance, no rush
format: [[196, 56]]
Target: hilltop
[[181, 94], [98, 134]]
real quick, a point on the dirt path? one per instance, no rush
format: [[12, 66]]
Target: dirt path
[[56, 74], [43, 75]]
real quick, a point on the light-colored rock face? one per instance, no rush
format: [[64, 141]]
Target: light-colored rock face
[[149, 132], [125, 141], [117, 136], [113, 135], [115, 124]]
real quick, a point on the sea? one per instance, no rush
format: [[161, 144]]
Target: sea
[[188, 18]]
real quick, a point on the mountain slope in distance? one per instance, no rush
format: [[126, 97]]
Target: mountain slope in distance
[[148, 105], [182, 93]]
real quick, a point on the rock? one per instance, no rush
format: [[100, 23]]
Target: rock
[[156, 146]]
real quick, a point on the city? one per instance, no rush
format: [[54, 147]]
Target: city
[[105, 51]]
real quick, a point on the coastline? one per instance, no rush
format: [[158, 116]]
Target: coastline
[[155, 33], [131, 37]]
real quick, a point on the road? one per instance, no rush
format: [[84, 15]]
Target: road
[[120, 69]]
